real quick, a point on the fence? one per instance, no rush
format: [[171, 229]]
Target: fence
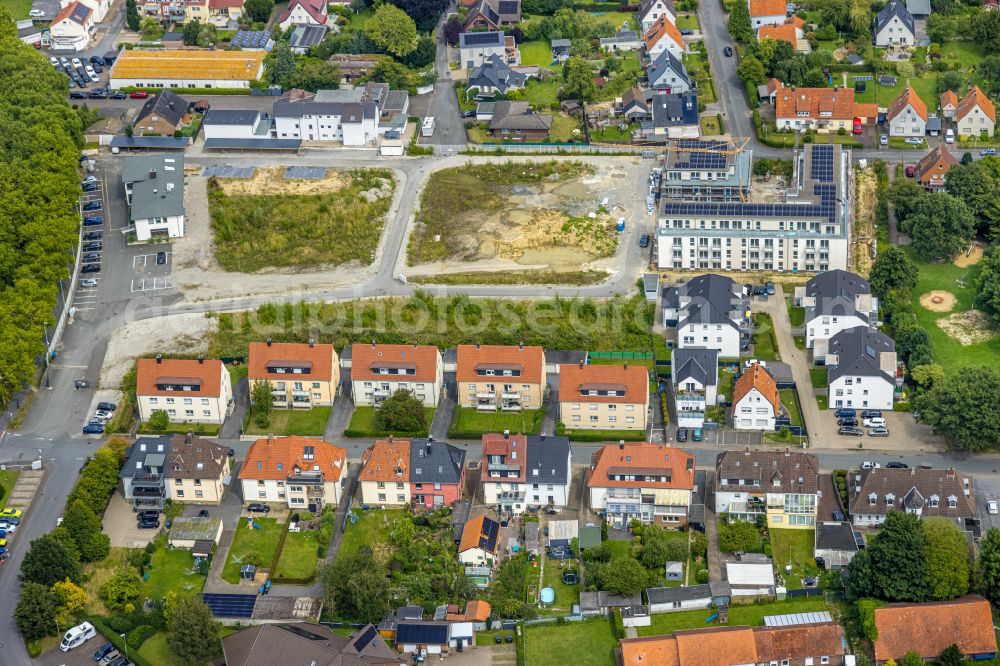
[[805, 592]]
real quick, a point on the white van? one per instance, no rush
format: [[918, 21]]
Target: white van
[[76, 636]]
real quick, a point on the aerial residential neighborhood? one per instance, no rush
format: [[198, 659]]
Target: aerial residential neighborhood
[[495, 332]]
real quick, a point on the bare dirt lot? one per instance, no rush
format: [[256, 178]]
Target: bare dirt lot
[[176, 334], [864, 222], [270, 182], [969, 327]]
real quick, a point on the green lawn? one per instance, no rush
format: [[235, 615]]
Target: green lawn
[[357, 20], [794, 547], [616, 19], [8, 478], [765, 347], [262, 542], [711, 125], [796, 315], [947, 351], [589, 643], [563, 127], [470, 423], [749, 615], [363, 424], [237, 373], [823, 402], [620, 548], [18, 8], [687, 21], [924, 85], [292, 422], [566, 595], [788, 401], [299, 555], [171, 570], [541, 94], [536, 52], [155, 651], [818, 377], [372, 528]]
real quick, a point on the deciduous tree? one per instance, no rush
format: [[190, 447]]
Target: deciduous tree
[[940, 227], [259, 10], [72, 600], [158, 420], [926, 376], [48, 562], [193, 633], [281, 63], [313, 74], [988, 566], [356, 587], [392, 30], [578, 80], [946, 553], [122, 590], [739, 24], [965, 408], [262, 401], [988, 283], [751, 72], [978, 185], [35, 614], [892, 567], [892, 269], [425, 13], [401, 413]]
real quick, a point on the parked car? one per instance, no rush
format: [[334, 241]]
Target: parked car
[[91, 268], [93, 429], [949, 135], [987, 152], [696, 435], [99, 93], [256, 507], [770, 288], [93, 205], [853, 432], [877, 422], [896, 465], [871, 414], [11, 512], [161, 258], [89, 282], [682, 434], [883, 140], [92, 245], [879, 432], [36, 13], [644, 241], [76, 94], [107, 406], [148, 524], [110, 656], [910, 170], [868, 464], [98, 67], [90, 187], [203, 513], [845, 413], [138, 94], [687, 31], [104, 651], [92, 256], [992, 508], [468, 114], [8, 527], [93, 235], [728, 51], [914, 141], [849, 422], [118, 94], [148, 514], [93, 220]]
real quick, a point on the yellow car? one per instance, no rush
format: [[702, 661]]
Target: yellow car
[[8, 511], [3, 542]]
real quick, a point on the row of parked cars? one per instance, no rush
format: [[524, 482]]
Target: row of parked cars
[[93, 241], [872, 419], [106, 655], [95, 426], [10, 520]]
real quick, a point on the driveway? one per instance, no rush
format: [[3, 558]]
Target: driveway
[[987, 490], [120, 526], [82, 655]]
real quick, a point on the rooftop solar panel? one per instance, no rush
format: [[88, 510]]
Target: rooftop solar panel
[[365, 639], [231, 605]]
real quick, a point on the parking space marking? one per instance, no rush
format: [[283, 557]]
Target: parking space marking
[[151, 284], [141, 260]]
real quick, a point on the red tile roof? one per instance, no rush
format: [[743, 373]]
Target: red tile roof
[[662, 26], [798, 641], [782, 33], [575, 379], [767, 7], [975, 97], [320, 358], [475, 611], [227, 4], [74, 11], [382, 460], [907, 98], [471, 534], [423, 357], [756, 377], [641, 457], [529, 360], [149, 373], [276, 458], [796, 21], [504, 445], [949, 98], [933, 166], [313, 7], [837, 102], [928, 629]]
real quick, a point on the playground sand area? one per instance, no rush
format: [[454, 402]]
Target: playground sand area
[[938, 301], [972, 258], [970, 327]]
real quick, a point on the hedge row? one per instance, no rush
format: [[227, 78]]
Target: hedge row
[[605, 435], [190, 91], [115, 638]]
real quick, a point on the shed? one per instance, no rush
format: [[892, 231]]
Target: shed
[[202, 548], [414, 636], [590, 536], [668, 599], [651, 286], [835, 544], [562, 532], [674, 571], [185, 532], [560, 48], [531, 538], [750, 578], [601, 603], [636, 616]]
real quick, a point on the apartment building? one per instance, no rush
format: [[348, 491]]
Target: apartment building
[[821, 109], [72, 28], [427, 471], [835, 301], [154, 191], [706, 170], [144, 484], [651, 483], [709, 312], [924, 492], [651, 10], [694, 379], [862, 369], [188, 391], [807, 231], [781, 485], [298, 472], [385, 473], [378, 371], [491, 378], [196, 470], [603, 397], [302, 376], [521, 471], [756, 405]]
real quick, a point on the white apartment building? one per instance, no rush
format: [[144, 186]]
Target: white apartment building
[[297, 472], [188, 391], [350, 123], [695, 379], [862, 369], [710, 312], [73, 27], [154, 191], [378, 371], [835, 301], [755, 400], [521, 471]]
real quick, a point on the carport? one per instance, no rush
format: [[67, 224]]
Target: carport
[[150, 143], [243, 145]]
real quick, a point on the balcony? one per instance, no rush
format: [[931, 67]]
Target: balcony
[[486, 395], [510, 395], [311, 479], [511, 406], [694, 398], [382, 393], [512, 495], [148, 491], [624, 499]]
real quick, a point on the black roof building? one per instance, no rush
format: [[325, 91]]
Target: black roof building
[[894, 9], [432, 461], [859, 354], [700, 365], [166, 105]]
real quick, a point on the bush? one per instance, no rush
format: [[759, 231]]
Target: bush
[[138, 636], [617, 624], [739, 536], [158, 420], [702, 576]]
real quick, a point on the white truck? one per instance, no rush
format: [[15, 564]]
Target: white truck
[[427, 129]]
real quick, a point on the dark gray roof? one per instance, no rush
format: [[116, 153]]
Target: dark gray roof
[[550, 456], [835, 292], [518, 115], [905, 484], [919, 7], [621, 37], [933, 124], [701, 365], [480, 39], [835, 536], [696, 510], [152, 142], [157, 185], [432, 461], [165, 104], [301, 643], [564, 357], [644, 6], [794, 471], [675, 109], [142, 447], [560, 43], [304, 36], [231, 117], [712, 300], [666, 595], [666, 61], [288, 109], [894, 8], [395, 100], [495, 73], [599, 600], [460, 511], [857, 351], [670, 297]]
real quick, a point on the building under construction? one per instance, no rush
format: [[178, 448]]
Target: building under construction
[[706, 170]]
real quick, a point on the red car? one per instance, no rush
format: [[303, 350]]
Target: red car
[[139, 94]]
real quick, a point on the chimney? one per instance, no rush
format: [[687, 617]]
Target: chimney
[[269, 341], [189, 436], [201, 359], [312, 342], [788, 452], [159, 359], [520, 346], [621, 445], [581, 365], [477, 346], [506, 434], [391, 438], [152, 174], [428, 446], [373, 344]]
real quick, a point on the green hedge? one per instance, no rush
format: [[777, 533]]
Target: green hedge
[[140, 634], [605, 435], [115, 638], [902, 407]]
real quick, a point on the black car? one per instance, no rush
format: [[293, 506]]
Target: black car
[[687, 31], [728, 51], [91, 268], [76, 94], [94, 245], [848, 413], [119, 95], [148, 515], [644, 241], [92, 236], [103, 651], [896, 465], [93, 205], [99, 93], [93, 221], [120, 661], [161, 258], [258, 508], [98, 60], [468, 114], [107, 406], [203, 513], [682, 434], [871, 414], [851, 423], [89, 187], [855, 432], [232, 452], [148, 524], [98, 67]]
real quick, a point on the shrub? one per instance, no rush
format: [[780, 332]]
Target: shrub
[[702, 576], [158, 420], [739, 536]]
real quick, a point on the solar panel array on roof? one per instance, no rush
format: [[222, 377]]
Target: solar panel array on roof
[[822, 164], [251, 39], [422, 633], [303, 633], [365, 639], [488, 539], [479, 38], [228, 172], [305, 173], [230, 605], [792, 619]]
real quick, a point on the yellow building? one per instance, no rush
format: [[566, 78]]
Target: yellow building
[[195, 470], [494, 378], [302, 376], [603, 397]]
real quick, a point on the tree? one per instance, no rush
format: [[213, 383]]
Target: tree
[[904, 195], [624, 576], [122, 590], [927, 375], [952, 656], [739, 24], [988, 283], [950, 80], [946, 553], [193, 633], [190, 32], [207, 36], [35, 614], [356, 587], [866, 613], [986, 31], [941, 29], [263, 401], [392, 30], [912, 659], [988, 570], [71, 602], [159, 420], [281, 62], [751, 72], [939, 227], [860, 13], [578, 81], [132, 15], [452, 29], [913, 344], [423, 55], [401, 413], [82, 524], [978, 185], [892, 270], [739, 536], [602, 553], [149, 24], [892, 567], [964, 408], [259, 10], [391, 72], [425, 13], [48, 561], [313, 75], [989, 71], [654, 554]]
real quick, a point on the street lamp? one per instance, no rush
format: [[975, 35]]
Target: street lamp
[[125, 643]]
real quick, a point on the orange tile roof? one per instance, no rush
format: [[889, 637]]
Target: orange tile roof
[[975, 97], [781, 33], [150, 373], [662, 26], [713, 647], [635, 456], [949, 98], [320, 357], [471, 536], [928, 629], [502, 445], [798, 641], [475, 611], [767, 7], [384, 458], [798, 22], [68, 10], [933, 166], [838, 102], [573, 379], [756, 377], [424, 357], [277, 457], [907, 98], [867, 111], [650, 651], [530, 360]]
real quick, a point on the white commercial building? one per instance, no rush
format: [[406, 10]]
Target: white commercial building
[[72, 28], [236, 124], [154, 191]]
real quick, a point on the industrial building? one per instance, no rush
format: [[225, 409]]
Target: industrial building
[[143, 68]]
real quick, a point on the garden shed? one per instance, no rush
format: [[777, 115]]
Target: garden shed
[[186, 532]]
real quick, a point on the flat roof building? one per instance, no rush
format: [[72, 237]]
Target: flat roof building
[[186, 69]]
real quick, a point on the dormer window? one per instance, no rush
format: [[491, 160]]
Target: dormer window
[[890, 499], [872, 499], [952, 502], [935, 501]]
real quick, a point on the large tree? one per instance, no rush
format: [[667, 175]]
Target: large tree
[[313, 75], [71, 602], [578, 80], [624, 576], [986, 30], [988, 567], [48, 561], [281, 62], [35, 615], [262, 401], [892, 567], [965, 408], [425, 13], [355, 587], [892, 270], [913, 344], [82, 524], [192, 633], [751, 72], [259, 10], [401, 412], [978, 185], [392, 30], [132, 15], [940, 227], [946, 554], [905, 195], [739, 24], [988, 283]]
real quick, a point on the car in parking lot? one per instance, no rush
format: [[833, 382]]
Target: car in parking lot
[[107, 406], [36, 13], [11, 512], [118, 94], [92, 245], [148, 524], [7, 526], [256, 507], [203, 513], [93, 429], [98, 67], [877, 422], [769, 287], [103, 651], [848, 422], [149, 514], [883, 140], [914, 141], [139, 94], [845, 413], [98, 93], [644, 241], [682, 434], [92, 257], [76, 94], [992, 507], [987, 152], [93, 205], [878, 432], [93, 235], [696, 435], [468, 114], [93, 221], [849, 431], [871, 414], [868, 464], [89, 282], [687, 31], [89, 187], [91, 268], [161, 258]]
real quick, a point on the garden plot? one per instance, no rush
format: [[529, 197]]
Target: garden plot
[[556, 215]]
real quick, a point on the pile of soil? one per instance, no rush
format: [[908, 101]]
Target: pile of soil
[[965, 260], [271, 181]]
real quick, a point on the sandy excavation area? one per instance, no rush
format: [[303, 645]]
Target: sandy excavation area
[[970, 327], [271, 181]]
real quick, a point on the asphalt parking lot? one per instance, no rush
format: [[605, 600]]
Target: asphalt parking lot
[[82, 655], [987, 490], [151, 269]]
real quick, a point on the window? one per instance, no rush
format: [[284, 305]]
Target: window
[[197, 482], [187, 401], [188, 412], [197, 493], [262, 495], [178, 482], [824, 660], [204, 401], [381, 497], [401, 498], [380, 485], [153, 401], [206, 412], [171, 412], [180, 493]]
